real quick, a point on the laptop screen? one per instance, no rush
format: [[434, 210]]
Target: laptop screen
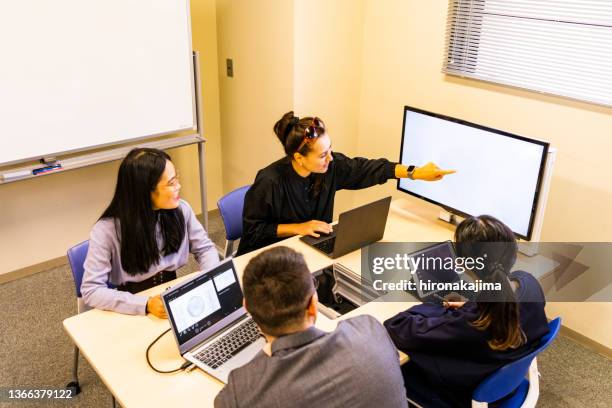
[[198, 304], [436, 263]]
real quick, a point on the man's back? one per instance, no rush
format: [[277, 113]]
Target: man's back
[[356, 365]]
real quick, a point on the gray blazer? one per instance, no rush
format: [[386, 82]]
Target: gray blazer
[[356, 365]]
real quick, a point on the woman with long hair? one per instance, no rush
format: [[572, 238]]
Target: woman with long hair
[[453, 346], [295, 195], [144, 235]]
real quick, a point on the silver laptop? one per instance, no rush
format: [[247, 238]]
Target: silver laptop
[[210, 324]]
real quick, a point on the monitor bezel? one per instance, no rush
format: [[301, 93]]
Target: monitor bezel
[[457, 211]]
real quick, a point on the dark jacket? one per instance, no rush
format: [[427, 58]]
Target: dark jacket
[[449, 357], [280, 196]]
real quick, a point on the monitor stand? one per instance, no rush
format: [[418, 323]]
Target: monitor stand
[[449, 217]]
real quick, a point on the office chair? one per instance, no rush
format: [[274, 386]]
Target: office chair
[[76, 258], [231, 206], [516, 384]]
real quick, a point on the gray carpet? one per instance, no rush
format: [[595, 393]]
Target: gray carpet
[[572, 376]]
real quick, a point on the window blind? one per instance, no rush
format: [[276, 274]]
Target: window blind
[[560, 47]]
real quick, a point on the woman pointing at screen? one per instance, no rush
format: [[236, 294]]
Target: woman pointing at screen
[[295, 195]]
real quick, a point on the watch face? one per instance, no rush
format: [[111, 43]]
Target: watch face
[[411, 168]]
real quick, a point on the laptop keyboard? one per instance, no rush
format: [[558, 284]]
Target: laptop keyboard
[[326, 246], [229, 345]]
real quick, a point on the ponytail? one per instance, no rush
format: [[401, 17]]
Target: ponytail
[[501, 316], [284, 126], [487, 237]]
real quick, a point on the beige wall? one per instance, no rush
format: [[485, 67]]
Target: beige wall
[[402, 55], [328, 70], [258, 36], [204, 35], [41, 218], [285, 65]]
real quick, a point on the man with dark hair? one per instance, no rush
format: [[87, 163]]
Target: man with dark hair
[[356, 365]]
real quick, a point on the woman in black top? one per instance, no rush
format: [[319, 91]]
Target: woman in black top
[[295, 195], [453, 347]]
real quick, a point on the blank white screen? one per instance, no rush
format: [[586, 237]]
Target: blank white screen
[[496, 174], [83, 73]]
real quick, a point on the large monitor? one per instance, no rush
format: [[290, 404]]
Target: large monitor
[[498, 173]]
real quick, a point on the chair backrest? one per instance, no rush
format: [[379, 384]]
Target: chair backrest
[[505, 380], [230, 207], [76, 258]]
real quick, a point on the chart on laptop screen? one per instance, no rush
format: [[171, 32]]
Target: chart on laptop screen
[[195, 305], [201, 302]]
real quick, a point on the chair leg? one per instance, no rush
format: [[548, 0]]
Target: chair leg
[[75, 367], [534, 386], [74, 384], [229, 249]]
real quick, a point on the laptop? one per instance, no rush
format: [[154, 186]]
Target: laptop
[[356, 228], [210, 324], [437, 264]]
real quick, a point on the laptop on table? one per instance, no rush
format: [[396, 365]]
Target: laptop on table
[[438, 272], [210, 324], [356, 228]]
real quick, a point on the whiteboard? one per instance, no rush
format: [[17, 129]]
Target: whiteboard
[[78, 74]]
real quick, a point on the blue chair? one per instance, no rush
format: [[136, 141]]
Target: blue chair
[[76, 258], [231, 206], [516, 384]]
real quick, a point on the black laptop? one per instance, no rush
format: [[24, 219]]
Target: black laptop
[[356, 228], [438, 272]]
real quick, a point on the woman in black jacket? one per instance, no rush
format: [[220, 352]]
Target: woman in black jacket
[[295, 195], [454, 346]]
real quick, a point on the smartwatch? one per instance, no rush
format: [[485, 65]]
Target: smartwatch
[[411, 169]]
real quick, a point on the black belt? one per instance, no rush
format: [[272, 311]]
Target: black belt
[[157, 279]]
